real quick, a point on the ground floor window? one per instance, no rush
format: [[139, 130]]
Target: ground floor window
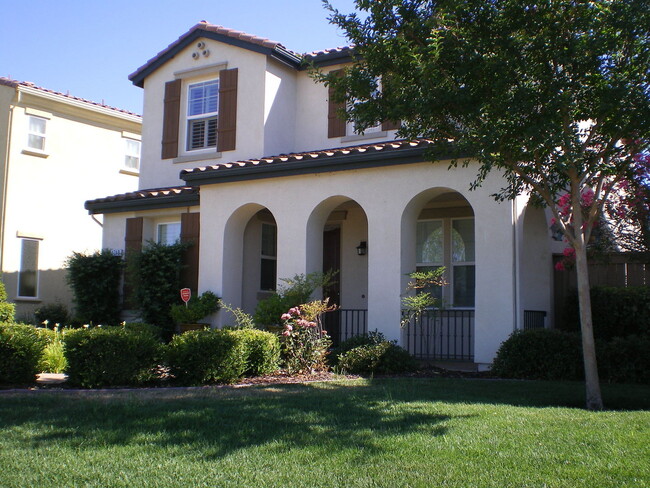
[[449, 243], [269, 257], [169, 233], [28, 275]]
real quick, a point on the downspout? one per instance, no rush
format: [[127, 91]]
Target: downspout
[[5, 177], [515, 267], [92, 216]]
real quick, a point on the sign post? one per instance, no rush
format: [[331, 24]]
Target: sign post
[[186, 294]]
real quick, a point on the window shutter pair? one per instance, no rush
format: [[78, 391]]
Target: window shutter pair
[[227, 121], [336, 126]]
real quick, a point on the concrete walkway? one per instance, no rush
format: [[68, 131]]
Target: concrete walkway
[[51, 378]]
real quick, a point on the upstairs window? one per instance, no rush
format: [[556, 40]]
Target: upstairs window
[[36, 133], [132, 155], [202, 114]]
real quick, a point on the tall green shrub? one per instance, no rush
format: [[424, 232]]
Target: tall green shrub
[[617, 312], [7, 310], [95, 282], [21, 348], [262, 351], [155, 273]]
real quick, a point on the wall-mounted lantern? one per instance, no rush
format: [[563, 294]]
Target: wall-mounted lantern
[[362, 248]]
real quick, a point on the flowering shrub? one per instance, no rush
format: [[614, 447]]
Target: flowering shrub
[[304, 342]]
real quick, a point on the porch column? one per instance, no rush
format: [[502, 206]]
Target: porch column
[[384, 271]]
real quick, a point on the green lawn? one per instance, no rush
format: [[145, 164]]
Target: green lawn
[[362, 433]]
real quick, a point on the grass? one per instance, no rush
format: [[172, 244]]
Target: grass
[[363, 433]]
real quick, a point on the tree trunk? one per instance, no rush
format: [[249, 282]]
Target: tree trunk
[[592, 384]]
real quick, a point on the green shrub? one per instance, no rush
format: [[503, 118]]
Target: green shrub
[[7, 310], [51, 314], [380, 358], [262, 351], [143, 327], [110, 356], [154, 274], [540, 354], [53, 359], [206, 356], [95, 282], [625, 360], [197, 308], [353, 342], [269, 310], [617, 312], [21, 348]]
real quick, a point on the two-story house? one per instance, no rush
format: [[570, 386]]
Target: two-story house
[[56, 152], [244, 154]]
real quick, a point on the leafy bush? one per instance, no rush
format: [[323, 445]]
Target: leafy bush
[[53, 359], [262, 351], [21, 348], [95, 282], [110, 356], [155, 277], [381, 358], [196, 309], [625, 360], [206, 356], [353, 342], [304, 342], [617, 312], [540, 354], [144, 328], [7, 310], [51, 314], [292, 293]]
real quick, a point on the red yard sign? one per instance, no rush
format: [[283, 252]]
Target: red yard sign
[[186, 294]]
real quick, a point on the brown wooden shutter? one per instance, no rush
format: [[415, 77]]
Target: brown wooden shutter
[[227, 124], [388, 125], [132, 244], [336, 126], [171, 119], [190, 233]]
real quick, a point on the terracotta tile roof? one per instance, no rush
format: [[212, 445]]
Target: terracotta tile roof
[[348, 50], [151, 196], [322, 154], [15, 83]]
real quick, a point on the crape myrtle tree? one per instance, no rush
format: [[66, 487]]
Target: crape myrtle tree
[[553, 94]]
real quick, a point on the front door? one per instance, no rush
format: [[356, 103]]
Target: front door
[[332, 262]]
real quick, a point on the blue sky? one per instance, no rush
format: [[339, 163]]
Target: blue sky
[[89, 47]]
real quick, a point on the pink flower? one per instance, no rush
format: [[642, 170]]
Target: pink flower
[[286, 333], [569, 252], [286, 316], [559, 266]]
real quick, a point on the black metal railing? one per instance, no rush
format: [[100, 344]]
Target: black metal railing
[[441, 334], [534, 319], [345, 323]]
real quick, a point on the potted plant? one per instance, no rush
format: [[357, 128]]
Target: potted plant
[[188, 316]]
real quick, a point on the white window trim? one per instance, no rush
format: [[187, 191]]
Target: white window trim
[[159, 224], [448, 262], [36, 151], [126, 167], [36, 297], [185, 133]]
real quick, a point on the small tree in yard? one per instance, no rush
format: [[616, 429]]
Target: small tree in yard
[[555, 95]]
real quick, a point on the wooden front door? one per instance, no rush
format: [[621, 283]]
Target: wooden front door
[[332, 262]]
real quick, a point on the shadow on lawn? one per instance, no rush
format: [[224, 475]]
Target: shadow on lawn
[[324, 420]]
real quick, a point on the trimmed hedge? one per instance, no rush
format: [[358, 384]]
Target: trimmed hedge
[[625, 360], [7, 310], [353, 342], [381, 358], [207, 356], [110, 356], [262, 351], [617, 312], [540, 354], [21, 348]]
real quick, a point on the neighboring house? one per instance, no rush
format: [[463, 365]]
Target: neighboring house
[[56, 151], [244, 155]]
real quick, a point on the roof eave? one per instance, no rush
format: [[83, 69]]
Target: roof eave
[[168, 201], [369, 159]]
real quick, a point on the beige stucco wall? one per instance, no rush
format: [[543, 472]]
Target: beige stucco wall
[[387, 197], [83, 158]]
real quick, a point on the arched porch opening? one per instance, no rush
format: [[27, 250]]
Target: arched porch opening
[[249, 257], [438, 231], [338, 242]]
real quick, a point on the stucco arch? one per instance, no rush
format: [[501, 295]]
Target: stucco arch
[[236, 252]]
